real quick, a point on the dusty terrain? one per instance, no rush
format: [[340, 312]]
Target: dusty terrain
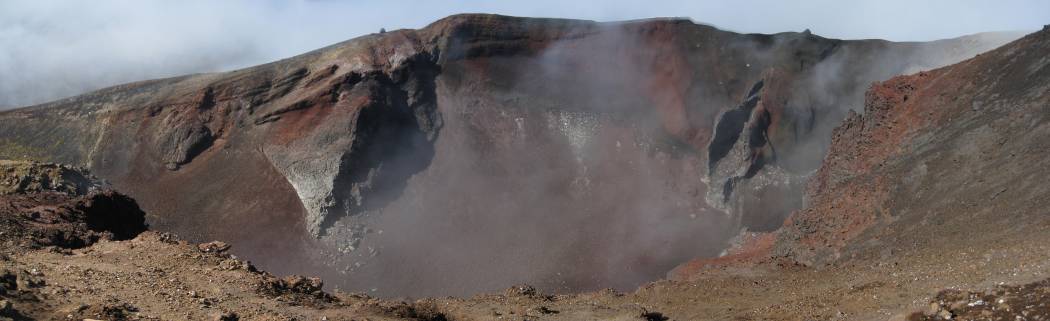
[[74, 254], [937, 183]]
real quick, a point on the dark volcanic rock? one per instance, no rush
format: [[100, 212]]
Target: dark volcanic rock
[[39, 218], [183, 142], [49, 219], [508, 147]]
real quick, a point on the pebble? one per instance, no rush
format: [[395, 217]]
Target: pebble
[[933, 308]]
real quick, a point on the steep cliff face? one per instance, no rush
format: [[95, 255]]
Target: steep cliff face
[[958, 150], [482, 150]]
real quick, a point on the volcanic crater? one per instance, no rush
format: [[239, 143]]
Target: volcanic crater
[[484, 151]]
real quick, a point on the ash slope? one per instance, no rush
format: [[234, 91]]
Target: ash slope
[[482, 150]]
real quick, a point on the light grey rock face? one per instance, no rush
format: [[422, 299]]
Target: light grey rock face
[[743, 174], [340, 166], [311, 175], [730, 156]]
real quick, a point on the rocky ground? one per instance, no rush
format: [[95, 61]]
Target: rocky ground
[[72, 254], [1023, 302], [59, 266]]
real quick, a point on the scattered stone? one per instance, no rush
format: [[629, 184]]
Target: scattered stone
[[26, 280], [654, 316], [1004, 303], [302, 284], [235, 264], [213, 247], [5, 307], [169, 238], [546, 310], [932, 309], [111, 310], [298, 287], [521, 290], [227, 316], [8, 281]]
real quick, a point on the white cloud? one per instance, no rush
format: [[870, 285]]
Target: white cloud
[[51, 49]]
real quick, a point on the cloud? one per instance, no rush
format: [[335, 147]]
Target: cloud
[[51, 49]]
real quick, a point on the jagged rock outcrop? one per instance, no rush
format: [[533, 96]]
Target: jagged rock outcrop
[[743, 155], [21, 177], [476, 134], [61, 206]]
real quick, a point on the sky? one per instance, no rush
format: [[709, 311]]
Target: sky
[[53, 49]]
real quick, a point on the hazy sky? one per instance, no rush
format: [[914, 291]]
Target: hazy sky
[[52, 49]]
